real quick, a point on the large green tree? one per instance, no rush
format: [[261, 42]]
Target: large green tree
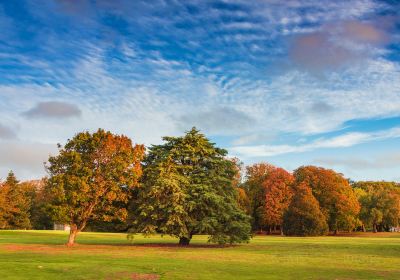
[[92, 178], [188, 187]]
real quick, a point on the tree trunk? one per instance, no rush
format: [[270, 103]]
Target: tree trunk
[[72, 235], [184, 241], [374, 228], [363, 228], [335, 232], [281, 228]]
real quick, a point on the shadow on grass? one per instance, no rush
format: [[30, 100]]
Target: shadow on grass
[[159, 245]]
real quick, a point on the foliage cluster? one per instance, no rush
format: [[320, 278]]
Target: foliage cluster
[[187, 186]]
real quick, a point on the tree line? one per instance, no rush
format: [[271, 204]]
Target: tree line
[[186, 186]]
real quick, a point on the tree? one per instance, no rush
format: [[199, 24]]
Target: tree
[[255, 191], [41, 202], [278, 194], [15, 203], [92, 178], [335, 196], [3, 206], [380, 204], [187, 188], [304, 217], [269, 191]]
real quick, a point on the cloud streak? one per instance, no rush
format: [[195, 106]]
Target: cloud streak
[[341, 141]]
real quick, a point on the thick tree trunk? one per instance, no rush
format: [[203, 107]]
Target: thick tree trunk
[[184, 241], [335, 232], [281, 229], [374, 228], [72, 235], [363, 228]]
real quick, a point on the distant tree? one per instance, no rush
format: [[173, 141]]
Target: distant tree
[[11, 179], [15, 203], [41, 205], [380, 204], [304, 217], [243, 200], [256, 174], [189, 187], [278, 194], [335, 196], [92, 178], [3, 206], [269, 191]]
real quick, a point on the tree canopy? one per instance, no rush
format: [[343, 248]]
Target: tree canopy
[[188, 188], [269, 191], [380, 204], [335, 196], [15, 204], [92, 178], [304, 217]]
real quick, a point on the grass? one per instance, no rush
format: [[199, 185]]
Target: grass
[[42, 255]]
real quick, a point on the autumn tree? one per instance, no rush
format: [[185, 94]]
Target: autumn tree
[[188, 187], [92, 178], [256, 174], [380, 204], [304, 217], [335, 196], [3, 205], [15, 203], [269, 191], [278, 194]]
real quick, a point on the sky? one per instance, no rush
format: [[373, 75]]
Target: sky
[[290, 83]]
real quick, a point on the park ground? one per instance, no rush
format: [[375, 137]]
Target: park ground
[[42, 255]]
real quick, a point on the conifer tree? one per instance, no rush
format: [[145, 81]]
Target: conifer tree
[[188, 188]]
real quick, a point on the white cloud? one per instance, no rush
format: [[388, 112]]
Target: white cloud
[[341, 141]]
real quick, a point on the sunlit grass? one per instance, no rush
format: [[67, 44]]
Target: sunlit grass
[[42, 255]]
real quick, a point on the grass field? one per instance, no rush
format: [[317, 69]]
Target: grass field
[[42, 255]]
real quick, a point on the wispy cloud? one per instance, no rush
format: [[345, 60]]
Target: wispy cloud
[[382, 161], [232, 68], [342, 141]]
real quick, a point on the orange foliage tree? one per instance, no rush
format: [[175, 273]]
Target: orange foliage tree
[[336, 198], [304, 216], [269, 191], [278, 193], [92, 178]]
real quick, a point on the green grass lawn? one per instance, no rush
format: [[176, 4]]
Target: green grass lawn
[[42, 255]]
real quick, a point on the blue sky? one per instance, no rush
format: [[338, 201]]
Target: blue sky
[[287, 82]]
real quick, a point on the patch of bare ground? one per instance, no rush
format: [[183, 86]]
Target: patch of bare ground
[[367, 234], [172, 245], [133, 276]]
